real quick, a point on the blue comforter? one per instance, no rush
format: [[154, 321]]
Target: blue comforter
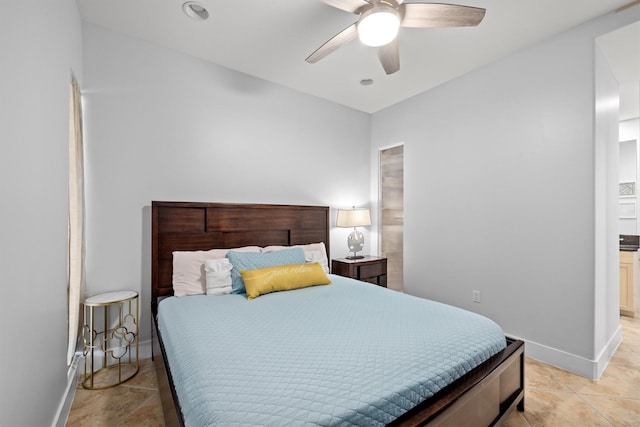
[[345, 354]]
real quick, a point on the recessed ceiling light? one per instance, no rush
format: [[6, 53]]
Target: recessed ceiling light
[[366, 82], [195, 10]]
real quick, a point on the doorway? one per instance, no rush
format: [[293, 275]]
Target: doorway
[[621, 49], [392, 213]]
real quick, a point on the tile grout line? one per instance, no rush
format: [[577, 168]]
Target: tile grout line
[[524, 415], [140, 406], [596, 409], [139, 387]]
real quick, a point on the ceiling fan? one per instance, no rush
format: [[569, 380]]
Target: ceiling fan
[[380, 20]]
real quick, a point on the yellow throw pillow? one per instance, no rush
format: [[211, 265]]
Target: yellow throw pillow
[[283, 278]]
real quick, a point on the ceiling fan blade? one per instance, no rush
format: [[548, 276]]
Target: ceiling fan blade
[[352, 6], [389, 56], [430, 15], [343, 37]]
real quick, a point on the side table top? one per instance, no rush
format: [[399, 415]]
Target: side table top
[[110, 297], [366, 258]]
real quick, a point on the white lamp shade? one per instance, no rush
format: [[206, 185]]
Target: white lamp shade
[[353, 218], [378, 25]]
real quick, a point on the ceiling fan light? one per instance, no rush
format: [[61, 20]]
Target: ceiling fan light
[[378, 26]]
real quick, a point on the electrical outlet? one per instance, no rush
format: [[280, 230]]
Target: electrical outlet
[[476, 296]]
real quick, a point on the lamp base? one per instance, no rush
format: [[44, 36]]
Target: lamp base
[[355, 243]]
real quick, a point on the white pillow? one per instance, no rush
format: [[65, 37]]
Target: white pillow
[[218, 276], [313, 252], [189, 276]]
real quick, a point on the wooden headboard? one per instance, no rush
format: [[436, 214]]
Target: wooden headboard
[[191, 226]]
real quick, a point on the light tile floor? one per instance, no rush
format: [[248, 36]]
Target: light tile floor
[[133, 403], [553, 397]]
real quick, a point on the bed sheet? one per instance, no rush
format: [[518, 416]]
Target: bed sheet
[[348, 354]]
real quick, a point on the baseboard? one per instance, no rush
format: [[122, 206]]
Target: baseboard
[[64, 408], [607, 353], [579, 365], [77, 368]]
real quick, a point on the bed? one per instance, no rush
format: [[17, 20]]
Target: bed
[[349, 370]]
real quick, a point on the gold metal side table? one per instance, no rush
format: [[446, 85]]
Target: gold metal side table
[[113, 341]]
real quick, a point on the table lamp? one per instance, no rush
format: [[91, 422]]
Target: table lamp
[[354, 218]]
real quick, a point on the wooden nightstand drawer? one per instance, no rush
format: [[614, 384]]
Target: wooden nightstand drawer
[[378, 280], [372, 270], [368, 269]]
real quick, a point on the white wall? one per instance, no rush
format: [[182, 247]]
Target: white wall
[[629, 135], [165, 126], [499, 192], [628, 161], [630, 129], [606, 330], [40, 43], [628, 172]]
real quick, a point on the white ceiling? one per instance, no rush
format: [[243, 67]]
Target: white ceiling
[[270, 39]]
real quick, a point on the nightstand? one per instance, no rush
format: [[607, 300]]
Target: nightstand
[[370, 269], [110, 336]]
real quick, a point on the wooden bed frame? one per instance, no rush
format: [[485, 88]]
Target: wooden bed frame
[[483, 397]]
